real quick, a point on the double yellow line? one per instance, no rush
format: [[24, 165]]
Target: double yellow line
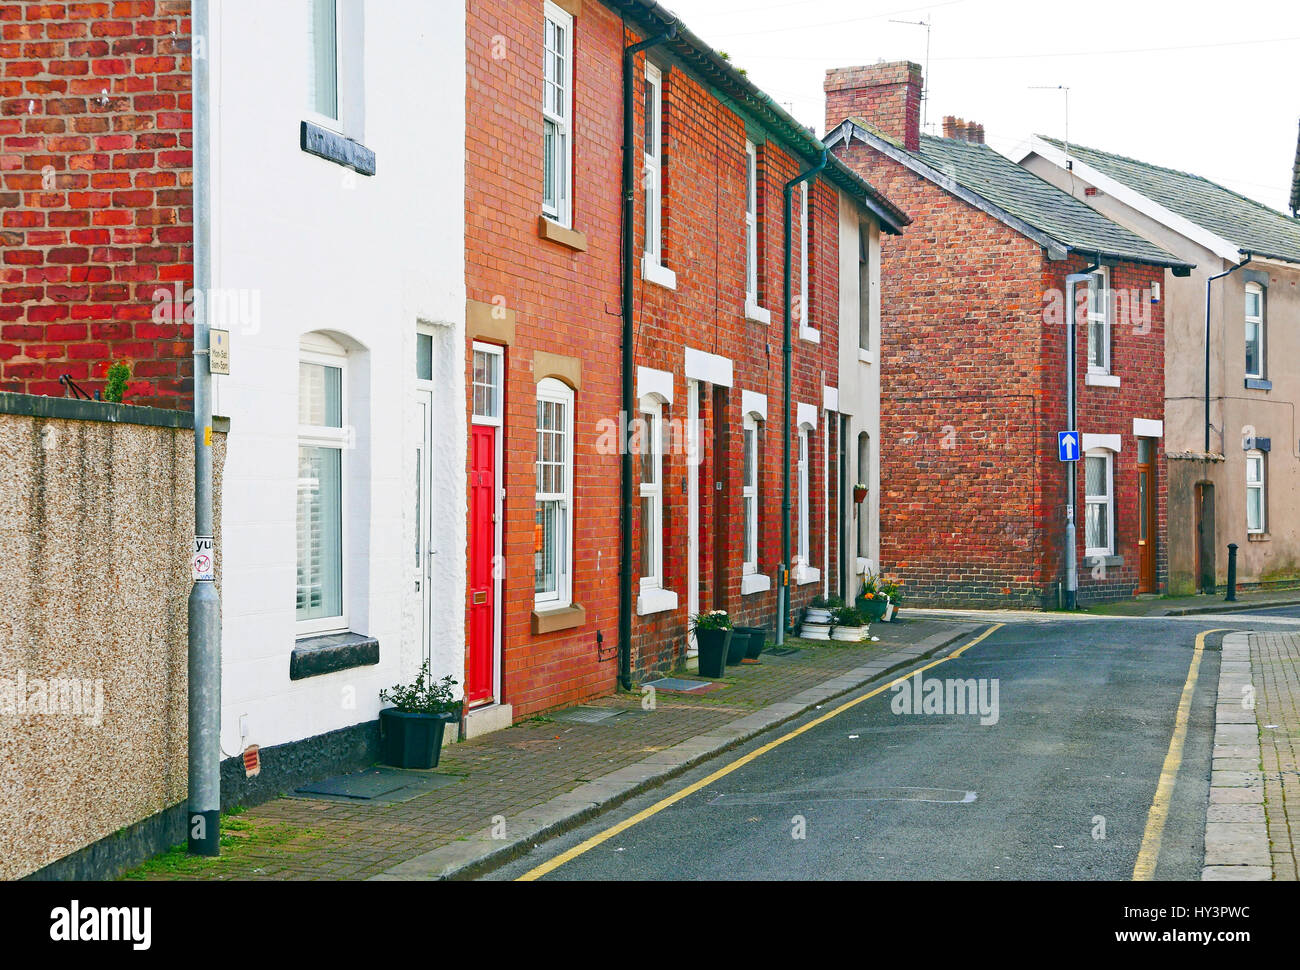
[[585, 847], [1144, 870]]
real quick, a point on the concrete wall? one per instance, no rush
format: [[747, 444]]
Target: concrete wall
[[1234, 408], [369, 261], [96, 520]]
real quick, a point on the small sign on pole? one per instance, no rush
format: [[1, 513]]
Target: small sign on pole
[[219, 351], [1067, 445], [203, 566]]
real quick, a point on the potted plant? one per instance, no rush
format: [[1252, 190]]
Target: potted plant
[[816, 623], [755, 638], [859, 493], [850, 625], [411, 732], [742, 638], [713, 632], [819, 610], [894, 593], [871, 602]]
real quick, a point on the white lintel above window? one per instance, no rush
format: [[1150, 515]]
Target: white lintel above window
[[1110, 442]]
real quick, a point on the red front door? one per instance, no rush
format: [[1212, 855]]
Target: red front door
[[480, 662]]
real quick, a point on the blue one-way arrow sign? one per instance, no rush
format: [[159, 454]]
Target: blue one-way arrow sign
[[1067, 445]]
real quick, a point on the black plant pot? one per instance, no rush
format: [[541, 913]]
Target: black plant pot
[[411, 740], [757, 637], [737, 646], [713, 646]]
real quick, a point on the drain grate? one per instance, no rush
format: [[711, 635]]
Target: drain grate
[[379, 785], [680, 685]]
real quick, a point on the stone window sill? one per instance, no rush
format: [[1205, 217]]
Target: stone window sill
[[563, 618], [1258, 537], [866, 357], [317, 656], [549, 229], [809, 334], [333, 147], [653, 271], [757, 313], [1258, 384], [755, 583], [1102, 558], [1102, 380], [804, 574], [655, 601]]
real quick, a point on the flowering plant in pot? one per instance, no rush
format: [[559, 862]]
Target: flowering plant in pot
[[872, 602], [894, 593], [713, 631], [859, 493], [411, 732]]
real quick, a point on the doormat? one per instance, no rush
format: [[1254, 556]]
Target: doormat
[[679, 685], [782, 651], [594, 715], [378, 785]]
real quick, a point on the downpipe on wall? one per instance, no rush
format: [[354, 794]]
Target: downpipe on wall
[[1208, 282], [1071, 379]]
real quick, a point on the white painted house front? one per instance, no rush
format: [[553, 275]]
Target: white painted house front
[[344, 488]]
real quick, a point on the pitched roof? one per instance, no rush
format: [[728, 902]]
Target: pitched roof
[[1295, 182], [711, 67], [1249, 225], [1020, 198]]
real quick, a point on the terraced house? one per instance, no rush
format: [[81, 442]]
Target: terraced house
[[975, 366], [1231, 343], [626, 363]]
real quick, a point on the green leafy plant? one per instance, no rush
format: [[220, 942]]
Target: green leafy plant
[[425, 696], [713, 620], [894, 591], [118, 375], [848, 616], [826, 602]]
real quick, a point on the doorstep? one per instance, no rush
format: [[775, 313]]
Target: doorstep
[[485, 720]]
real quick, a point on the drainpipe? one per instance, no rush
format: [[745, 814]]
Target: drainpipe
[[783, 571], [625, 484], [1071, 377], [1249, 257], [205, 605]]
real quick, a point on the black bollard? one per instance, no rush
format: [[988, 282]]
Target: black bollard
[[1232, 573]]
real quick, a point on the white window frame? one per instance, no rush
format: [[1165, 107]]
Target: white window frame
[[1108, 500], [652, 437], [752, 309], [314, 116], [1259, 484], [803, 547], [562, 211], [1104, 367], [322, 351], [499, 353], [1257, 321], [557, 392], [749, 490]]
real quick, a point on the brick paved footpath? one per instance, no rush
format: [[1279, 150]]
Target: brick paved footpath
[[1253, 823], [526, 773]]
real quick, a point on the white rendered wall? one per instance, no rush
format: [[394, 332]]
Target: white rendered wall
[[368, 259]]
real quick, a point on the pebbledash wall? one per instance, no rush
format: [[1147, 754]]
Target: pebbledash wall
[[972, 494], [95, 175], [96, 511], [348, 233]]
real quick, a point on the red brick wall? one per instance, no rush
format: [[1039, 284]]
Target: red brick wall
[[887, 95], [568, 302], [95, 188], [972, 395], [565, 302]]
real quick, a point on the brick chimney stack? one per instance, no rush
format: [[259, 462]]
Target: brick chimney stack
[[962, 130], [887, 96]]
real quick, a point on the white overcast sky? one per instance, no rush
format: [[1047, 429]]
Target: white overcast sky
[[1210, 88]]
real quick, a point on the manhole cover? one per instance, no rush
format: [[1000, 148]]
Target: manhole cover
[[385, 785], [588, 715], [679, 685]]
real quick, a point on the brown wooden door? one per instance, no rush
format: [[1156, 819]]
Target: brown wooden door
[[1148, 527]]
